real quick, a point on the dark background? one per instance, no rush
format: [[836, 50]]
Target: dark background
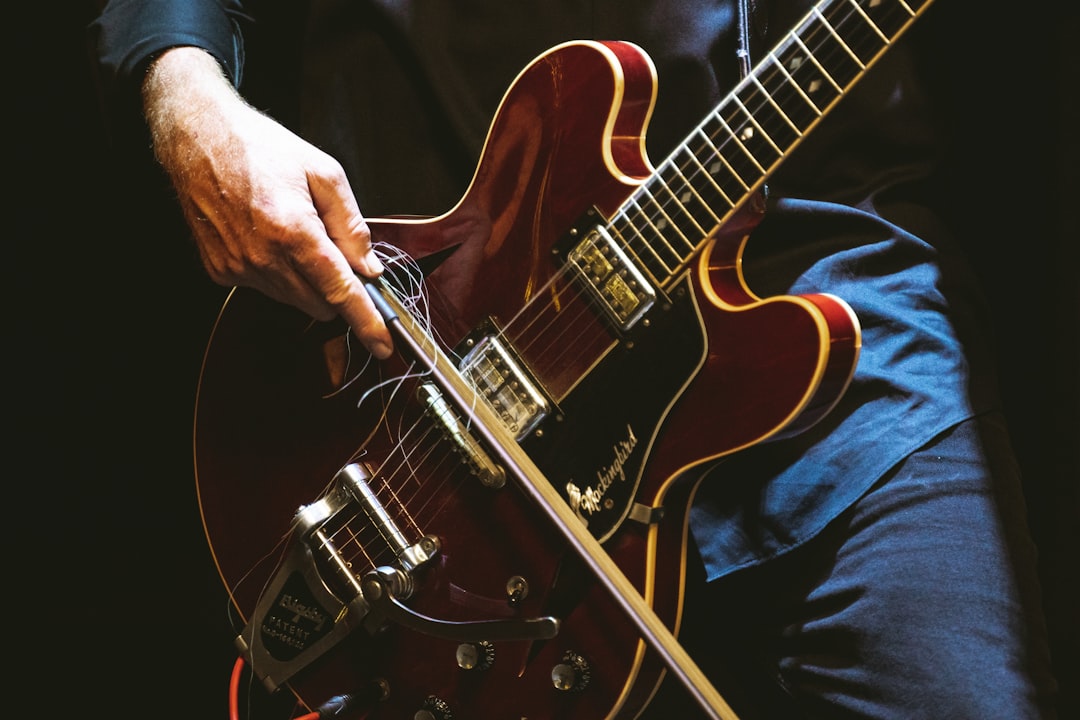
[[112, 594]]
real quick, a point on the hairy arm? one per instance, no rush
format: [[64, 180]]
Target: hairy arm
[[267, 209]]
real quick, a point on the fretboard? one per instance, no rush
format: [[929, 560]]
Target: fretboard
[[727, 158]]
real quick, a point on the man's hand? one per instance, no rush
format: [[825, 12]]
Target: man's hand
[[267, 209]]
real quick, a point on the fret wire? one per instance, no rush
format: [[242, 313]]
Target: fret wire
[[738, 141], [627, 246], [613, 227], [642, 259], [666, 219], [721, 203], [732, 153], [691, 194], [808, 76], [790, 81], [713, 176], [735, 147], [840, 41], [683, 198], [666, 246], [798, 108], [771, 100], [769, 117], [852, 25], [828, 76], [717, 200], [889, 16], [648, 262], [753, 121], [871, 23], [911, 10], [746, 136]]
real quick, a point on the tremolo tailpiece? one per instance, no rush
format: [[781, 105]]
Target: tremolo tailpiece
[[317, 598]]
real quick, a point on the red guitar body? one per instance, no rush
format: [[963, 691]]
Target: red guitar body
[[284, 403]]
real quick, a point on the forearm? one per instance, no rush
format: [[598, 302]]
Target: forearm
[[189, 106], [266, 209]]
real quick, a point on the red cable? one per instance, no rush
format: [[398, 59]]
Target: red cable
[[234, 689], [234, 693]]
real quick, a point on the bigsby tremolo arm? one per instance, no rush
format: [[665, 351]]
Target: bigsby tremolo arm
[[378, 590]]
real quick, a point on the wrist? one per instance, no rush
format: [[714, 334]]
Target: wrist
[[185, 94], [180, 75]]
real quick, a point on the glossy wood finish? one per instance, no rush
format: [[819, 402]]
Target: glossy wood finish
[[284, 403]]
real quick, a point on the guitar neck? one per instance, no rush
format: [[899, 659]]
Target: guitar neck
[[726, 159]]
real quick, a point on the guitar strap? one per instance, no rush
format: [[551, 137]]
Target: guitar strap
[[752, 21], [750, 14], [742, 51]]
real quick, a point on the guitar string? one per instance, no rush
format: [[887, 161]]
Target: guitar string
[[658, 213], [646, 192], [394, 476], [718, 142], [387, 390], [655, 223], [393, 479], [646, 204], [420, 299]]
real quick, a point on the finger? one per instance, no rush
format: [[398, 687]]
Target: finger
[[358, 310], [333, 279], [337, 207], [367, 324], [275, 275]]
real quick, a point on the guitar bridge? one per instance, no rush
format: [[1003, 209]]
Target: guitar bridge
[[490, 473]]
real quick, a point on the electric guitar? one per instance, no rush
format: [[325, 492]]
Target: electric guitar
[[492, 523]]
